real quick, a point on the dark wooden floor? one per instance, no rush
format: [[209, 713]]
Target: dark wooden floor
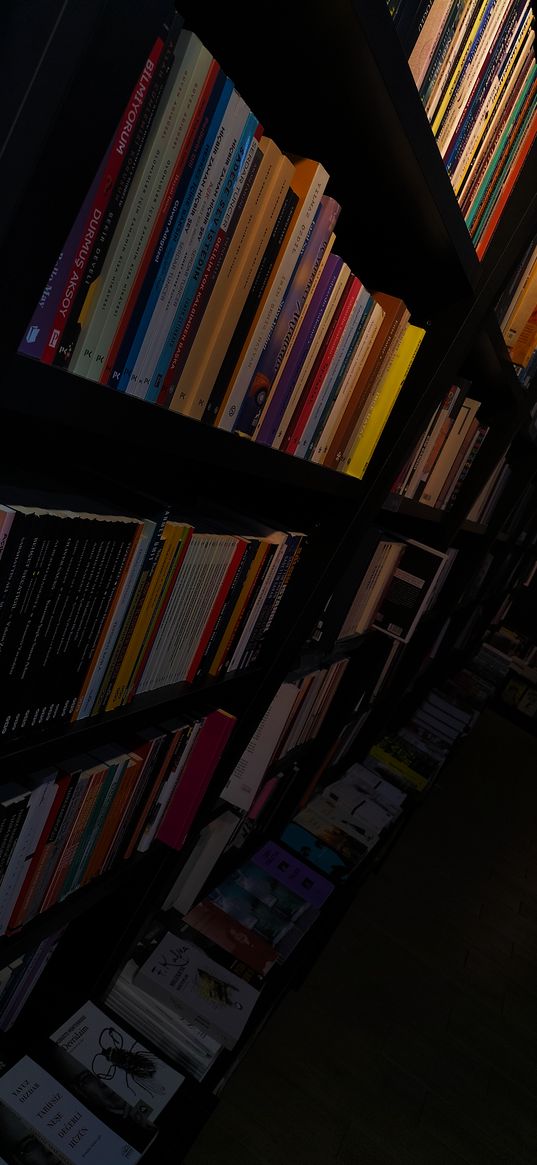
[[413, 1040]]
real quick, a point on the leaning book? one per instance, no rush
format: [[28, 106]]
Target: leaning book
[[59, 1120], [187, 980], [137, 1077]]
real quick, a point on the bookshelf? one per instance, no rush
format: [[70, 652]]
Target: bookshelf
[[345, 96]]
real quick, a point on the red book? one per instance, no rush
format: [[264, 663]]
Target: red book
[[110, 173], [322, 364], [238, 554], [110, 375], [195, 778]]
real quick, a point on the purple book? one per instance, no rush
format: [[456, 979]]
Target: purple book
[[299, 878], [38, 330], [312, 318]]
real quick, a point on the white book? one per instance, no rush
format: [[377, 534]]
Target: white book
[[39, 805], [166, 791], [249, 771], [60, 1119], [210, 845], [425, 46], [190, 238], [273, 296], [148, 190]]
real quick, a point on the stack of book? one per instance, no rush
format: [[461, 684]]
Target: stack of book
[[445, 452], [343, 821], [414, 755], [201, 275], [402, 582], [141, 620], [294, 716], [62, 827], [89, 1092], [474, 66], [517, 314]]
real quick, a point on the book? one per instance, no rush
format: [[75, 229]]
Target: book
[[382, 399], [395, 317], [193, 984], [308, 183], [374, 583], [314, 851], [247, 775], [195, 777], [143, 1081], [303, 881], [232, 936], [462, 423], [156, 177], [69, 283], [310, 261], [59, 1119], [411, 589]]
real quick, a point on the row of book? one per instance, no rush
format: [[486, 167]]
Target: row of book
[[517, 314], [473, 62], [401, 583], [294, 716], [62, 827], [201, 274], [99, 605], [445, 451]]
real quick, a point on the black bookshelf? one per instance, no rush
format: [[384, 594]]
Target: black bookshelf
[[345, 96]]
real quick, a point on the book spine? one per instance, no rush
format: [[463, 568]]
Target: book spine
[[135, 135], [236, 144], [274, 598], [253, 301], [195, 779], [92, 223]]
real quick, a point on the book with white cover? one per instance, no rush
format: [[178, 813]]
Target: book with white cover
[[136, 1074], [60, 1119], [249, 771], [369, 594], [210, 845], [182, 976]]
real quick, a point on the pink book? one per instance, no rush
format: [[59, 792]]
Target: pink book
[[195, 778]]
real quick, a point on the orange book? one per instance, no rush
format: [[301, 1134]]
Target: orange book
[[507, 186], [394, 310]]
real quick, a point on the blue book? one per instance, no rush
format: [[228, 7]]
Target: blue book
[[223, 199], [183, 196]]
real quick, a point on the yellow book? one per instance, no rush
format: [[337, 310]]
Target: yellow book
[[383, 401], [175, 538], [399, 766]]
